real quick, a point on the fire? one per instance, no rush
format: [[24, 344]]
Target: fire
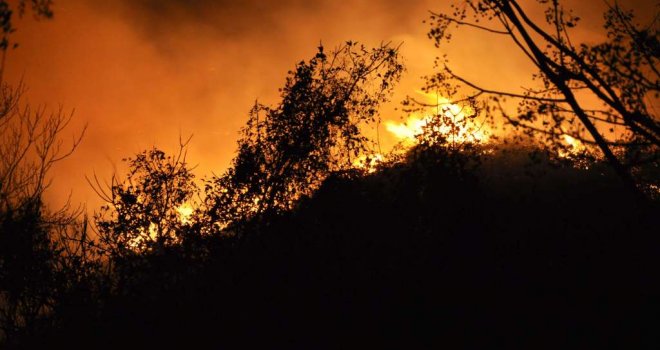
[[574, 146], [185, 212], [459, 125], [572, 142], [407, 131], [150, 235], [153, 231], [369, 162]]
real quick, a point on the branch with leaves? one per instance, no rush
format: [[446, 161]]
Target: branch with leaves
[[287, 150], [621, 73]]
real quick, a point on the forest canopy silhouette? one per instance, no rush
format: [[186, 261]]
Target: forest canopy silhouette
[[501, 218]]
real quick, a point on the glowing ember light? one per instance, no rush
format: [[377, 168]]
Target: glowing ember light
[[368, 162], [574, 146], [136, 243], [153, 232], [407, 131], [654, 190], [461, 129], [185, 212]]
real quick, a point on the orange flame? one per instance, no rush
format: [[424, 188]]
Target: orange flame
[[185, 212], [464, 131], [575, 146], [368, 162]]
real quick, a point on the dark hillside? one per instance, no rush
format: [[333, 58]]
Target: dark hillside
[[423, 252]]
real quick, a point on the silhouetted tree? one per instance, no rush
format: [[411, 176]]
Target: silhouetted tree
[[26, 276], [286, 151], [40, 9], [144, 211], [34, 273], [48, 266], [30, 144], [621, 73]]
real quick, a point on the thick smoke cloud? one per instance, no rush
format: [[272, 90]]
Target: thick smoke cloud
[[237, 20], [228, 18], [142, 72]]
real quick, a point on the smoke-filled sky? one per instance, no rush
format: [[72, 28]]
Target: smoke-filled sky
[[140, 73]]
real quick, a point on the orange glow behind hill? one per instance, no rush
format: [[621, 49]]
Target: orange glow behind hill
[[185, 212], [140, 76], [462, 126], [458, 124], [574, 145]]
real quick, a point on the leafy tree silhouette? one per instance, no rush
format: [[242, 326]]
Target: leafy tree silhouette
[[143, 211], [146, 231], [430, 244], [26, 255], [43, 252], [451, 135], [286, 151], [621, 73], [40, 9]]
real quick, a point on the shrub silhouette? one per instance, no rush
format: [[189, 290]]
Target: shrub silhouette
[[142, 213], [43, 251], [620, 73], [415, 252], [286, 151], [446, 242]]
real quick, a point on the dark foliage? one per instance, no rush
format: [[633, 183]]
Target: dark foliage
[[451, 241], [40, 9], [600, 94], [44, 259], [507, 253], [286, 151], [141, 213]]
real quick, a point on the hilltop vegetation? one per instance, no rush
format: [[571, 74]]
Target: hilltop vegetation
[[313, 239], [422, 252]]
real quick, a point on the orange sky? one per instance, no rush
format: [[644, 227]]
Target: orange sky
[[141, 72]]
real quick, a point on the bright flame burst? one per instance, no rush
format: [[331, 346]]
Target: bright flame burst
[[574, 147], [464, 127], [185, 212], [369, 162]]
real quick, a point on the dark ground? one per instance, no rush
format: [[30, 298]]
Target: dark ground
[[418, 256]]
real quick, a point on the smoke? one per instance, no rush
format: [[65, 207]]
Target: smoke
[[141, 73], [265, 23]]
